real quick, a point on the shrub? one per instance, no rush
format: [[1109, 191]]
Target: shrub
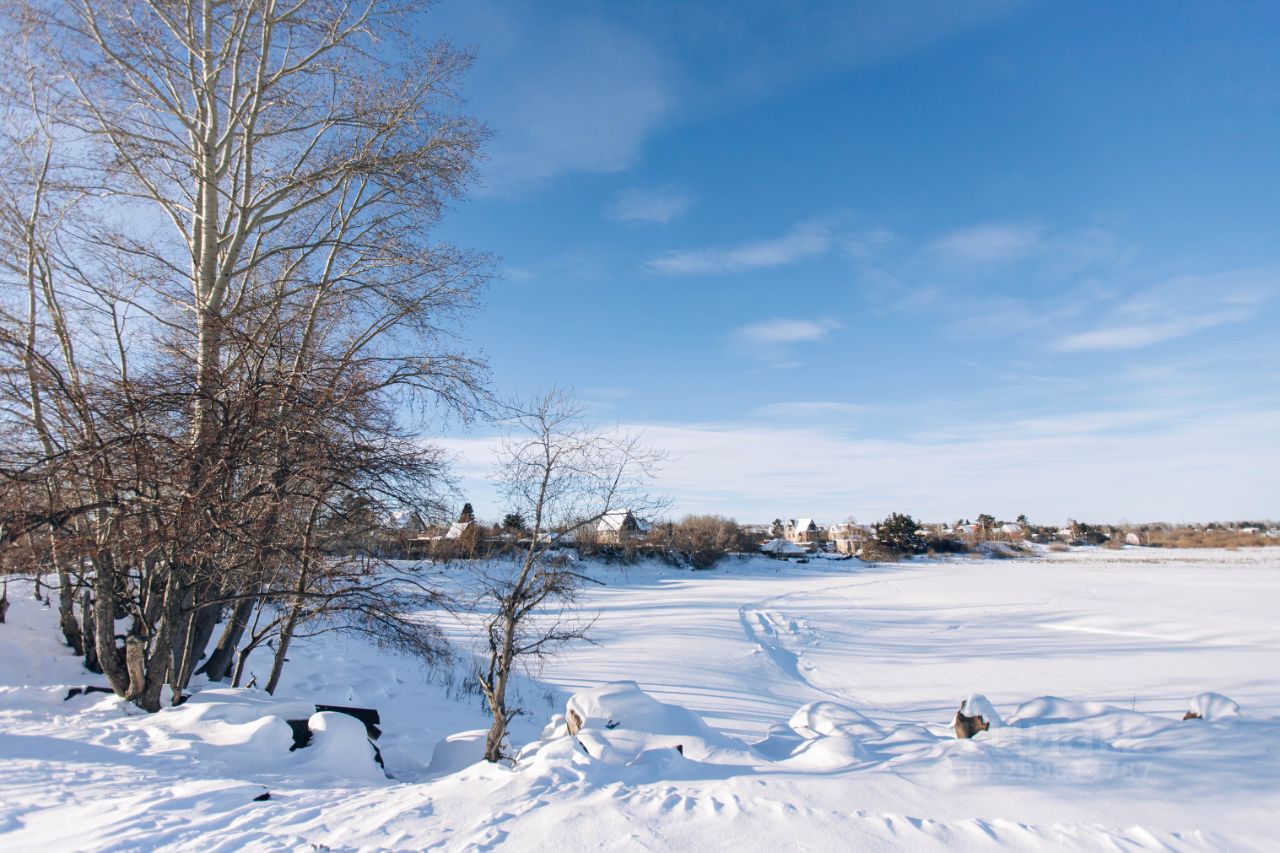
[[946, 545], [874, 551], [701, 541]]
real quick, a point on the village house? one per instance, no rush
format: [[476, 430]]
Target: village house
[[620, 526], [849, 536], [803, 532]]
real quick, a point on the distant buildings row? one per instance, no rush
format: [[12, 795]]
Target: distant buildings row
[[804, 534]]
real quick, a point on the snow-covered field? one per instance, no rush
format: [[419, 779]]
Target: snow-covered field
[[813, 705]]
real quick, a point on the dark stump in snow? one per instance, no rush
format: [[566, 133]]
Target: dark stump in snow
[[301, 734], [967, 727]]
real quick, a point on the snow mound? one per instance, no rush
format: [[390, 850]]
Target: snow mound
[[1213, 706], [818, 719], [339, 746], [617, 722], [236, 706], [243, 728], [457, 752], [1050, 710], [977, 705], [824, 736], [782, 547]]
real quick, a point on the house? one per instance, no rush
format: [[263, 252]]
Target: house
[[849, 536], [804, 531], [407, 522], [620, 526], [1012, 530]]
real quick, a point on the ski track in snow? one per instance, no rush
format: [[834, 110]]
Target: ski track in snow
[[827, 692]]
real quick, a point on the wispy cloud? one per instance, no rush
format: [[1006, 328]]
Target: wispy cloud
[[1139, 335], [802, 409], [865, 244], [785, 331], [657, 205], [1176, 308], [803, 241], [562, 94], [990, 242]]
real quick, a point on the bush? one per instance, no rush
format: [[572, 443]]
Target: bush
[[874, 551], [701, 541], [946, 545]]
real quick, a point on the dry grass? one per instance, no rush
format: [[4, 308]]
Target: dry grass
[[1190, 538]]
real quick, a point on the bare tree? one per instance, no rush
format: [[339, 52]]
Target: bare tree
[[701, 541], [228, 290], [561, 476]]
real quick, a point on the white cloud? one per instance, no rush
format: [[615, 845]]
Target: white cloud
[[658, 205], [785, 331], [1210, 464], [863, 245], [1176, 308], [803, 241], [990, 242], [1139, 335], [812, 409], [576, 96], [581, 87]]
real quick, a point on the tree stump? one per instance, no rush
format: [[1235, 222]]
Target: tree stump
[[967, 727]]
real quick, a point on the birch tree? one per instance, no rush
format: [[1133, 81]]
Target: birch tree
[[255, 186]]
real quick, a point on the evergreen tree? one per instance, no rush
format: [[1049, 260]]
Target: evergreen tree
[[467, 514], [901, 533]]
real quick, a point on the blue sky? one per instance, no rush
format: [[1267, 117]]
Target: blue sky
[[853, 258]]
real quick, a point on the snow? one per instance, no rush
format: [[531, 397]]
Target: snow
[[978, 705], [782, 547], [340, 747], [812, 705], [1213, 707]]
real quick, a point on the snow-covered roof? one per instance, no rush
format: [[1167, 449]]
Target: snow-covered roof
[[805, 524], [621, 519], [406, 519], [781, 546], [457, 529], [1011, 528]]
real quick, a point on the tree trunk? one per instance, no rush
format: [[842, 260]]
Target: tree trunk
[[104, 635], [242, 657], [282, 647], [90, 648], [135, 659], [497, 692], [218, 666], [66, 613]]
